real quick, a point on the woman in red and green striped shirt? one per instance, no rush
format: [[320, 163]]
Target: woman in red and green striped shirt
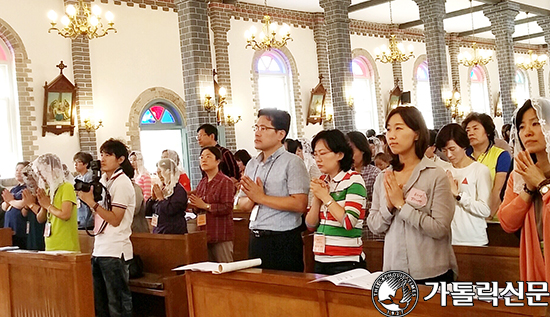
[[338, 208]]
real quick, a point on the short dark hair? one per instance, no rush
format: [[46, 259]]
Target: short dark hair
[[506, 131], [359, 140], [370, 133], [337, 143], [292, 145], [519, 116], [214, 150], [415, 121], [209, 130], [118, 149], [83, 157], [383, 156], [433, 134], [279, 118], [485, 120], [24, 163], [243, 156], [454, 132]]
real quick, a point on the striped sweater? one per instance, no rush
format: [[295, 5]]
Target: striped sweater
[[343, 240]]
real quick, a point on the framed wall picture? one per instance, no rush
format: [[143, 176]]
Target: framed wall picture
[[394, 99], [59, 105], [316, 109]]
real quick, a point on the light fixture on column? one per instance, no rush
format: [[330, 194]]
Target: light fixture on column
[[231, 116], [478, 57], [452, 102], [267, 39], [395, 53], [81, 20], [90, 124], [534, 61], [208, 104]]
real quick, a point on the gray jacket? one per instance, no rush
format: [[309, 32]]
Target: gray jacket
[[418, 238]]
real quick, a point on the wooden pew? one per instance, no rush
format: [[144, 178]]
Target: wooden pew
[[240, 242], [6, 237], [499, 238], [160, 291], [256, 292], [475, 264], [40, 285]]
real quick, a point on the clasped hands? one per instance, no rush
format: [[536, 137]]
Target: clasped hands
[[41, 198], [394, 191], [196, 201], [254, 190], [529, 171], [320, 190]]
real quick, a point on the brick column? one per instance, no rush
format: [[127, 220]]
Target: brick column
[[320, 38], [339, 54], [197, 72], [82, 72], [544, 23], [431, 14], [454, 50], [220, 23], [502, 17]]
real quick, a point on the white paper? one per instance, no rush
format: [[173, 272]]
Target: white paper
[[219, 268], [9, 248], [254, 213], [359, 278]]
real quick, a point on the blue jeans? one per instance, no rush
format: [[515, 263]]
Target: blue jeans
[[112, 294]]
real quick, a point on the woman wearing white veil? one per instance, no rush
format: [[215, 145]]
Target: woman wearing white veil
[[141, 177], [169, 202], [184, 179], [527, 199], [56, 204]]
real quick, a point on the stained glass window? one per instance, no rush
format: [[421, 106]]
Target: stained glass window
[[479, 92], [423, 94], [158, 114]]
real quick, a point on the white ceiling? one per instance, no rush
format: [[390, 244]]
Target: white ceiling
[[407, 11]]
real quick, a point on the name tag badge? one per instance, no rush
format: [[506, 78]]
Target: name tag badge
[[155, 220], [47, 229], [417, 197], [319, 243], [254, 213], [28, 227], [78, 203], [201, 220]]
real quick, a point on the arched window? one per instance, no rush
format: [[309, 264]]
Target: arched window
[[522, 87], [9, 114], [364, 95], [479, 93], [161, 128], [275, 85], [423, 96]]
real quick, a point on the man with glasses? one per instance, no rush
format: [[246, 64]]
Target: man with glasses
[[207, 135], [274, 190]]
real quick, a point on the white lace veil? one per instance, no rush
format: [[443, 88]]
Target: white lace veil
[[140, 170], [306, 152], [542, 110], [50, 172], [170, 173], [173, 155]]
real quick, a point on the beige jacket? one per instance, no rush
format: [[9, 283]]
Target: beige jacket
[[418, 238]]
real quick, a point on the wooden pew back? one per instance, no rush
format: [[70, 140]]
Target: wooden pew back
[[163, 252], [5, 237], [475, 264]]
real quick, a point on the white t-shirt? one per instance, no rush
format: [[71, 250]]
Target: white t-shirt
[[115, 241], [474, 186]]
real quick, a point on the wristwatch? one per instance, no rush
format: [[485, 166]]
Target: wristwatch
[[207, 206], [544, 189]]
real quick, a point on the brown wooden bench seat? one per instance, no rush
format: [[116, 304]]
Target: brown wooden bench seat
[[5, 237]]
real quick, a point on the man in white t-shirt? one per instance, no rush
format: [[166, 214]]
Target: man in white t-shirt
[[112, 246]]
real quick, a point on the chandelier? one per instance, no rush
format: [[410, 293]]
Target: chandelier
[[534, 61], [80, 20], [481, 57], [267, 39], [452, 102], [395, 53]]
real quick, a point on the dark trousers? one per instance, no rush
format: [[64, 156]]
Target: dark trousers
[[20, 242], [112, 296], [445, 277], [279, 250], [332, 268]]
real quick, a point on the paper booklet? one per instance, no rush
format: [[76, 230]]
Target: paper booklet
[[9, 248], [219, 268], [359, 278]]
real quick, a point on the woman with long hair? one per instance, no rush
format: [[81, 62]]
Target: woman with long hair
[[142, 177], [338, 206], [527, 199], [412, 204], [54, 204], [169, 202]]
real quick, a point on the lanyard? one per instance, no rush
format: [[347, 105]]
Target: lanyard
[[268, 171]]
